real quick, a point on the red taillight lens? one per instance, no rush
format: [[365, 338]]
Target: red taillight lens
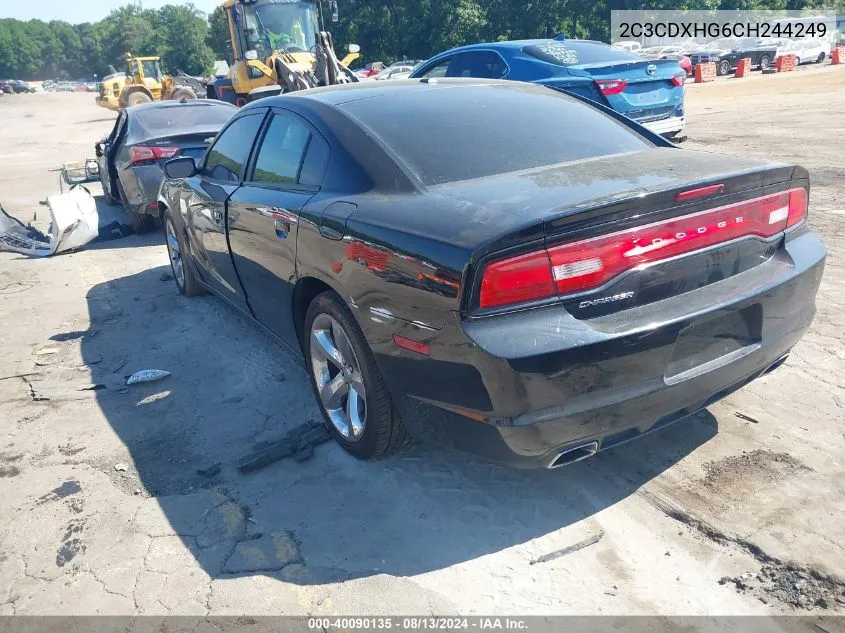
[[147, 153], [797, 206], [678, 80], [518, 279], [588, 264], [611, 86]]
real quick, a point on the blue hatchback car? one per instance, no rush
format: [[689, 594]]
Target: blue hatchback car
[[651, 92]]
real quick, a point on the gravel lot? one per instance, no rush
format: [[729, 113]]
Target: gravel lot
[[113, 501]]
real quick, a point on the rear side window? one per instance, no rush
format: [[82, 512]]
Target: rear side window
[[228, 156], [481, 64], [459, 132], [573, 54], [281, 151]]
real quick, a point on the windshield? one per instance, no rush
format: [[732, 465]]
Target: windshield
[[560, 129], [721, 44], [281, 26], [173, 120], [151, 70]]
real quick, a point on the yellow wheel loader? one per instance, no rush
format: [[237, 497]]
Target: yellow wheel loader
[[144, 82], [279, 46]]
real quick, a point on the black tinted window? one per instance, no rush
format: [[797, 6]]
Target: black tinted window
[[482, 64], [227, 157], [281, 151], [457, 132], [316, 159], [575, 53]]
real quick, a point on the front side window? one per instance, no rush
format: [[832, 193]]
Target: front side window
[[281, 151], [439, 70], [228, 156]]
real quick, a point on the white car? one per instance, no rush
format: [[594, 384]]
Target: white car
[[394, 72], [806, 51], [632, 47]]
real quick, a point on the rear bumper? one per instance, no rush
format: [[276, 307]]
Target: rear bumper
[[141, 185], [527, 386], [673, 125]]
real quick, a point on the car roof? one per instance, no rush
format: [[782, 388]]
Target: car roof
[[347, 93], [515, 45]]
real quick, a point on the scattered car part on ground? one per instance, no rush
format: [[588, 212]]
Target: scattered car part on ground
[[73, 223], [147, 375], [142, 139], [541, 291], [649, 91]]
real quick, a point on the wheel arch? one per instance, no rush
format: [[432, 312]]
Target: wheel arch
[[304, 292]]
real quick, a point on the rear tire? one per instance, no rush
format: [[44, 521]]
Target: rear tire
[[820, 58], [383, 431], [181, 263], [140, 222]]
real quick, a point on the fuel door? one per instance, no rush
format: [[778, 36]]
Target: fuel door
[[333, 219]]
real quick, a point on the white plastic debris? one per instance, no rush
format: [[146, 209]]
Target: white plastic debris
[[74, 223], [121, 467], [147, 375]]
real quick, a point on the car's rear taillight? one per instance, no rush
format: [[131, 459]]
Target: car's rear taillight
[[797, 206], [611, 86], [516, 280], [585, 265], [678, 80], [150, 153]]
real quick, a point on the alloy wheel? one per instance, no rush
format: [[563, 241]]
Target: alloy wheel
[[175, 254], [337, 374]]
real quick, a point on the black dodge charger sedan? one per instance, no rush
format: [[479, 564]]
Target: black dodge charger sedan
[[501, 268]]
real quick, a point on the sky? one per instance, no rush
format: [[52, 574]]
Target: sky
[[84, 10]]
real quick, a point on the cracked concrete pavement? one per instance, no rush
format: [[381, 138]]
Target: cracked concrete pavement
[[703, 517]]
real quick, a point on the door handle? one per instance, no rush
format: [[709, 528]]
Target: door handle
[[281, 225]]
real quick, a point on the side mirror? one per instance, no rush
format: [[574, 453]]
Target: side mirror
[[178, 168], [98, 150], [354, 48]]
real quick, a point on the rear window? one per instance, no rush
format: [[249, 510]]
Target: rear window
[[564, 54], [459, 132], [154, 122]]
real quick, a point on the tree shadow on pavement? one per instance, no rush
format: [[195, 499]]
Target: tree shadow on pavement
[[332, 517]]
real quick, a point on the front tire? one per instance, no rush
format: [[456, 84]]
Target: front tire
[[723, 68], [347, 382], [137, 98], [765, 62], [180, 258]]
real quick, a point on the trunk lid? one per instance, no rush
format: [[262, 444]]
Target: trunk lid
[[555, 207], [648, 84]]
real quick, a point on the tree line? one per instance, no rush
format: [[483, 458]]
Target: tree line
[[387, 30]]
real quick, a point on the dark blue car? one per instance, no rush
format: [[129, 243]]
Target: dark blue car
[[650, 92]]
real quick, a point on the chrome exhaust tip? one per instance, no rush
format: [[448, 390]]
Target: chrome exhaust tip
[[572, 455]]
